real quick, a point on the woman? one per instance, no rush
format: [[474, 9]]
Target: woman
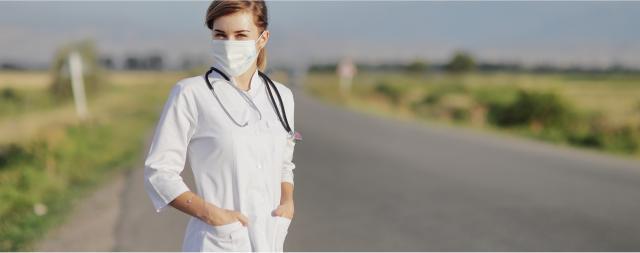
[[239, 152]]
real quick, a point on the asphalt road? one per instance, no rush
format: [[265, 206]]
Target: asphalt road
[[368, 184]]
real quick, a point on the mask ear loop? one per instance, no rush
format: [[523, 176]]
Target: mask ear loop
[[260, 36]]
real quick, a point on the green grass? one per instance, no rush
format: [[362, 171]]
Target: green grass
[[15, 101], [67, 161]]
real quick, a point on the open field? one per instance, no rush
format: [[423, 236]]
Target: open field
[[597, 111]]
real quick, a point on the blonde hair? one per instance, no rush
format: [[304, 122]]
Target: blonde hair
[[258, 8]]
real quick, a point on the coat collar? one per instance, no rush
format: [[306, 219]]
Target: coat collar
[[256, 84], [254, 88]]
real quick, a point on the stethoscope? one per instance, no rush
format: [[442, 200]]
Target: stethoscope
[[267, 80]]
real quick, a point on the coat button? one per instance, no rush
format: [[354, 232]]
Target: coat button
[[259, 166]]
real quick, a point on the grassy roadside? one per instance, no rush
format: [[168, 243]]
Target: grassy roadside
[[41, 176], [595, 112]]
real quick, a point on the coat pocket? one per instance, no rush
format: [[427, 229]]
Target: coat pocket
[[228, 237], [280, 233]]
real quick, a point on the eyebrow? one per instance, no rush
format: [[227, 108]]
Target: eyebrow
[[239, 31]]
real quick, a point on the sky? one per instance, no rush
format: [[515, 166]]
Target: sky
[[594, 34]]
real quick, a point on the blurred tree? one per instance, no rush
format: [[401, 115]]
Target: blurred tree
[[155, 61], [92, 70], [107, 62], [461, 62], [328, 67], [418, 65], [132, 63]]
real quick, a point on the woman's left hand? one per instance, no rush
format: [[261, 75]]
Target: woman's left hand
[[285, 210]]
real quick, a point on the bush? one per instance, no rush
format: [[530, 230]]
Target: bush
[[9, 94], [11, 153], [449, 101], [454, 106], [11, 101], [438, 92], [622, 139], [531, 107], [393, 92]]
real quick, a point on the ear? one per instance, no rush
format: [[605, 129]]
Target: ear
[[263, 40]]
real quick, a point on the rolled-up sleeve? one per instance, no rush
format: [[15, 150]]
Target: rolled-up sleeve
[[167, 153], [289, 166]]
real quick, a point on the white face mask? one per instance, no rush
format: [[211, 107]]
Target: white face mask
[[235, 56]]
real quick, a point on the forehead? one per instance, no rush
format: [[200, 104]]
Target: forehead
[[233, 22]]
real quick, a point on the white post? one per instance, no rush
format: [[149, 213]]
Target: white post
[[77, 84], [346, 70]]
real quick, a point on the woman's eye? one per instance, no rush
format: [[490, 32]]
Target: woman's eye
[[219, 36]]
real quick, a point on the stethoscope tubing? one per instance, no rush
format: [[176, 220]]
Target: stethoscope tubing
[[269, 83]]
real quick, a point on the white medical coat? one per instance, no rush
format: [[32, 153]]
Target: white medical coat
[[236, 168]]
